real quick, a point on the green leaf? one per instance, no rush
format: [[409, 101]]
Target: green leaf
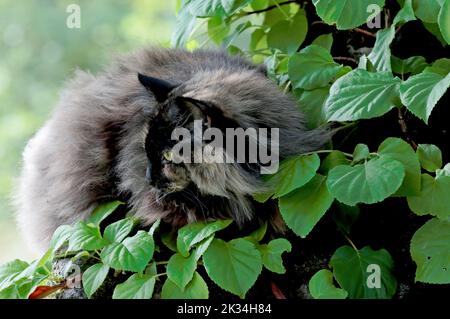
[[288, 35], [311, 68], [304, 207], [332, 160], [235, 34], [154, 227], [10, 270], [406, 14], [321, 286], [180, 269], [401, 151], [365, 64], [117, 231], [430, 157], [102, 211], [421, 92], [440, 66], [381, 52], [430, 250], [434, 29], [60, 236], [196, 289], [360, 153], [257, 235], [350, 268], [346, 14], [445, 171], [218, 29], [312, 105], [133, 254], [368, 183], [271, 254], [183, 28], [427, 10], [325, 41], [138, 286], [413, 65], [258, 39], [85, 237], [205, 8], [362, 95], [194, 233], [231, 6], [433, 198], [93, 278], [294, 173], [444, 21], [233, 265], [169, 239]]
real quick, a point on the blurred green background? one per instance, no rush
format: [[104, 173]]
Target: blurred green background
[[38, 52]]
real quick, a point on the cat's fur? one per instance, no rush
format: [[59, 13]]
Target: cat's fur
[[93, 146]]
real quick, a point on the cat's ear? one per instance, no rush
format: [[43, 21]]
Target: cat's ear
[[213, 115], [159, 88]]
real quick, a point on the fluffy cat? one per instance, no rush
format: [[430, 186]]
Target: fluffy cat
[[109, 134]]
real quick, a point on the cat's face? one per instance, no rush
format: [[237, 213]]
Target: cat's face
[[163, 172], [201, 188]]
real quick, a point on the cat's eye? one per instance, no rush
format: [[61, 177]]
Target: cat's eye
[[167, 155]]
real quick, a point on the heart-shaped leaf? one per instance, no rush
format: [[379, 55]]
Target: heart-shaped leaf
[[117, 231], [93, 278], [421, 92], [321, 286], [288, 35], [233, 265], [434, 198], [180, 269], [195, 289], [430, 250], [401, 151], [368, 183], [294, 173], [346, 14], [311, 68], [138, 286], [362, 95], [85, 237], [364, 273], [271, 254], [133, 254], [194, 233], [430, 157], [304, 207], [102, 211]]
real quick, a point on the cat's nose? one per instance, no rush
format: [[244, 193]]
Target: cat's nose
[[148, 173]]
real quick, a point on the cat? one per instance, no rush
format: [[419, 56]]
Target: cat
[[109, 134]]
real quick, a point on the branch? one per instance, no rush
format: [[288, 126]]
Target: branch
[[344, 58], [362, 31], [271, 7]]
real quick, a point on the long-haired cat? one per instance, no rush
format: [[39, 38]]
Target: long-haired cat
[[109, 135]]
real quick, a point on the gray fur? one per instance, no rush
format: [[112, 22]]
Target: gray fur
[[73, 160]]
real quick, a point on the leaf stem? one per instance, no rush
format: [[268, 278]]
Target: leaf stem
[[351, 242]]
